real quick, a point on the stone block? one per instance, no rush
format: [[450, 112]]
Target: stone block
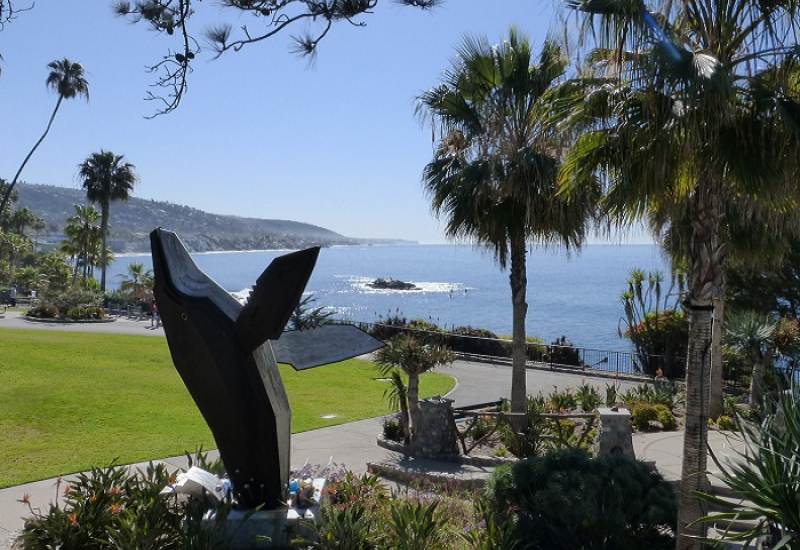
[[615, 437], [434, 433]]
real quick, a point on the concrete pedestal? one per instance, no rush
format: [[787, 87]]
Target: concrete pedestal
[[266, 528], [615, 437], [434, 433]]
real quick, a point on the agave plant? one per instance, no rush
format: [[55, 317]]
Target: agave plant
[[766, 476]]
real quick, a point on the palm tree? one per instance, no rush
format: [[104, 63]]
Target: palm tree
[[751, 334], [67, 79], [414, 357], [756, 234], [305, 316], [681, 111], [106, 178], [83, 239], [493, 175], [139, 281]]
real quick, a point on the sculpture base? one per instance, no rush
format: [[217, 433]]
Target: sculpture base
[[267, 528]]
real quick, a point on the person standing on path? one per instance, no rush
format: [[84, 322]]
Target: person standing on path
[[155, 318]]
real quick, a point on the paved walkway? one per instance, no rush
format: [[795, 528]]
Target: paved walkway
[[122, 325]]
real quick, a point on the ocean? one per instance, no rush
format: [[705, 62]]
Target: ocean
[[574, 294]]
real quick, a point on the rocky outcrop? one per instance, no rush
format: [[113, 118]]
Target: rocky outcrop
[[392, 284]]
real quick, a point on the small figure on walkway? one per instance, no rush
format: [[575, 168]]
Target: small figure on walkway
[[155, 318], [12, 295]]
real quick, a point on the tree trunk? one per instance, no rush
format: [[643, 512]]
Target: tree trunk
[[104, 233], [757, 380], [519, 355], [13, 183], [717, 330], [413, 399], [707, 256], [404, 420]]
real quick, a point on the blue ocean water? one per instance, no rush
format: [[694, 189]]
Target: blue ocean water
[[575, 295]]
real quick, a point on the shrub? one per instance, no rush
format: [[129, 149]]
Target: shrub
[[724, 423], [352, 489], [415, 525], [480, 341], [528, 442], [43, 311], [567, 500], [392, 430], [480, 428], [588, 397], [74, 303], [112, 508], [660, 393], [661, 340], [496, 534], [641, 415], [562, 400], [666, 418], [345, 528], [463, 339]]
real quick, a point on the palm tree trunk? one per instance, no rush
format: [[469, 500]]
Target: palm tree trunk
[[404, 420], [104, 232], [7, 194], [519, 356], [757, 380], [413, 398], [707, 256], [717, 330]]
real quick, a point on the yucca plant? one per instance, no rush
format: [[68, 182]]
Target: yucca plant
[[588, 397], [415, 525], [397, 396], [414, 357], [766, 476]]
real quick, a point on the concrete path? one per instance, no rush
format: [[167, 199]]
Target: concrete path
[[122, 325]]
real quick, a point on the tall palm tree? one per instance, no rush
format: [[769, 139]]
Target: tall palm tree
[[67, 79], [106, 178], [682, 108], [494, 171]]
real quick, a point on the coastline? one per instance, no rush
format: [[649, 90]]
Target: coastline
[[384, 245]]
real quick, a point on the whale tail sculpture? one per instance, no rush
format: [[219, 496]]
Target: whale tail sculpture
[[227, 356]]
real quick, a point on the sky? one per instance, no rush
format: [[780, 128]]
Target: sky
[[261, 132]]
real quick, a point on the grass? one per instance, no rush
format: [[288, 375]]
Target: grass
[[69, 401]]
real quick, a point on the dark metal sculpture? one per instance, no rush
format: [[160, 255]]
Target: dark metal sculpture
[[227, 356]]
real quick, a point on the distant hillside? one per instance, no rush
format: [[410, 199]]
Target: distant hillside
[[132, 221]]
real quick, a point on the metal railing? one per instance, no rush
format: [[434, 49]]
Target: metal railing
[[540, 354]]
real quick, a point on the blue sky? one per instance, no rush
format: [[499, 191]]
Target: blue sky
[[261, 132]]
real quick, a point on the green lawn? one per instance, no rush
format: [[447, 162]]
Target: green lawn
[[72, 400]]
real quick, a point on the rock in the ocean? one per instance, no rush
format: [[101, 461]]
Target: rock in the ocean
[[392, 284]]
